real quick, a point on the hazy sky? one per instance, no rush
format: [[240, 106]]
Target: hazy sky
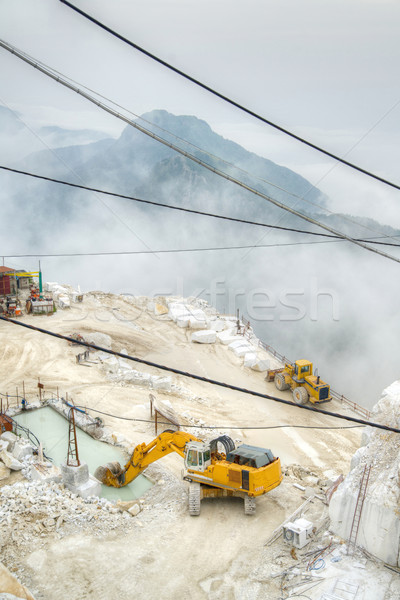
[[326, 70]]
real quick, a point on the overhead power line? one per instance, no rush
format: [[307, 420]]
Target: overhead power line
[[210, 155], [42, 68], [241, 427], [166, 251], [218, 158], [163, 204], [252, 175], [187, 425], [193, 158], [225, 162], [175, 250], [230, 101], [184, 209], [201, 378]]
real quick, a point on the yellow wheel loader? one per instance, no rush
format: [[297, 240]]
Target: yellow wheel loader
[[304, 385], [245, 471]]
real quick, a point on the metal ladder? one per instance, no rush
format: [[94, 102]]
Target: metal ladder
[[359, 506]]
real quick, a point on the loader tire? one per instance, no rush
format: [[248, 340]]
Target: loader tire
[[280, 382], [300, 395], [249, 505], [194, 499]]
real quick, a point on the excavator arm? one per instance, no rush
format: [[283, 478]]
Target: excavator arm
[[112, 474]]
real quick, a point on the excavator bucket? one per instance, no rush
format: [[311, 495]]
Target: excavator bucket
[[108, 474]]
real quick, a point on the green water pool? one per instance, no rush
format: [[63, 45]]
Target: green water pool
[[51, 429]]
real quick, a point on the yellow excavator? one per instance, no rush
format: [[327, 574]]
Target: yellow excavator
[[304, 385], [245, 471]]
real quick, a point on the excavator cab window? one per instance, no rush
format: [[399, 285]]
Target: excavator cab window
[[192, 458], [305, 369], [198, 456]]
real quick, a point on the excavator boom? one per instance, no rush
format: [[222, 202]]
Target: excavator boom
[[112, 474]]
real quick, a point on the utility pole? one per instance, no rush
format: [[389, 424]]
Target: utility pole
[[73, 456]]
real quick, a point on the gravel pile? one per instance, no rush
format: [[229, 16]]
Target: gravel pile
[[30, 512]]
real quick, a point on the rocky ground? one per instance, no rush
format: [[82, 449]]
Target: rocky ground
[[62, 546]]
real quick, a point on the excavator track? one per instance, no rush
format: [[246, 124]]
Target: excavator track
[[249, 505], [194, 499]]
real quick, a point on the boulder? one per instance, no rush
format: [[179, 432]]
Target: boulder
[[250, 358], [185, 315], [44, 472], [217, 325], [161, 383], [134, 510], [92, 487], [178, 311], [49, 286], [64, 301], [79, 481], [261, 364], [22, 449], [57, 290], [135, 377], [124, 505], [10, 462], [74, 476], [183, 320], [240, 347], [99, 339], [205, 336], [10, 438], [198, 322], [228, 336]]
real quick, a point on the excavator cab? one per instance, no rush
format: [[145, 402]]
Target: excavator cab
[[197, 456]]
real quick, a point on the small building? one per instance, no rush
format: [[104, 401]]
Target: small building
[[5, 423], [8, 282], [23, 281]]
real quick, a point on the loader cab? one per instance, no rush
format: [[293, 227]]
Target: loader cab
[[197, 456], [302, 369]]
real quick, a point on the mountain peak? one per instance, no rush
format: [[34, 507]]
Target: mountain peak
[[163, 118], [188, 127]]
